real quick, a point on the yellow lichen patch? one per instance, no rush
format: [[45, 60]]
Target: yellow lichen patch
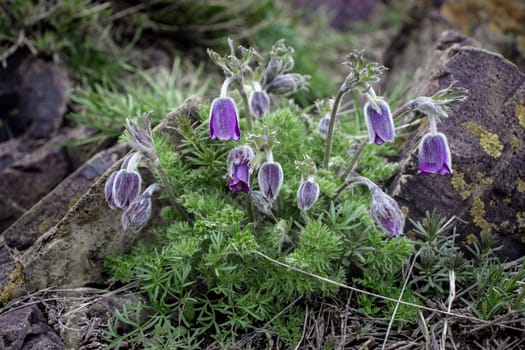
[[505, 224], [519, 112], [521, 185], [488, 141], [458, 181], [16, 278], [484, 179], [471, 239], [88, 216], [477, 212], [515, 142], [507, 201], [64, 231], [405, 210], [72, 202], [44, 226]]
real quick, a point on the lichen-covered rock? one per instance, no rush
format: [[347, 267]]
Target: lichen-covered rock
[[50, 209], [71, 254], [486, 134]]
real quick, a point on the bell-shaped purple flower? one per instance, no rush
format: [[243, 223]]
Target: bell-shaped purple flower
[[139, 212], [386, 213], [126, 187], [224, 120], [286, 84], [307, 194], [434, 155], [270, 179], [238, 162], [259, 103], [379, 122], [323, 126], [123, 186]]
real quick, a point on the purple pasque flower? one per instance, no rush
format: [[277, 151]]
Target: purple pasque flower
[[123, 186], [434, 155], [239, 170], [379, 121], [386, 213], [384, 210], [224, 120], [323, 126], [286, 84], [141, 136], [307, 194], [270, 179], [139, 212], [259, 103]]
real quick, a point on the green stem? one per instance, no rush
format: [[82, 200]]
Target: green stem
[[400, 111], [169, 190], [331, 128], [247, 112], [350, 168]]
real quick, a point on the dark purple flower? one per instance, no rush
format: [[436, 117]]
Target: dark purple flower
[[139, 212], [126, 187], [123, 186], [270, 179], [307, 194], [386, 213], [379, 123], [259, 103], [238, 162], [224, 121], [141, 137], [285, 84], [434, 155], [323, 126]]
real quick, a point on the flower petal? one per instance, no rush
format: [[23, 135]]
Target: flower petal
[[270, 179], [380, 124], [434, 155], [224, 121]]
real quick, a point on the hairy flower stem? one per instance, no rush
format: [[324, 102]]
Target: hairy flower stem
[[167, 186], [246, 104], [331, 127], [400, 111], [350, 168]]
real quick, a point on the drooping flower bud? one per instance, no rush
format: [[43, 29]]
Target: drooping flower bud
[[259, 103], [286, 84], [270, 179], [238, 162], [123, 186], [434, 155], [141, 136], [307, 194], [263, 204], [386, 213], [323, 126], [384, 210], [224, 120], [139, 212], [379, 122]]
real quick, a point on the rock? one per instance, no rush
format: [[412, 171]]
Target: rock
[[27, 177], [33, 94], [71, 254], [414, 45], [26, 329], [486, 135], [50, 209], [11, 275]]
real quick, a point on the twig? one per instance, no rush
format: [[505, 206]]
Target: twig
[[451, 296], [304, 329], [399, 300]]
